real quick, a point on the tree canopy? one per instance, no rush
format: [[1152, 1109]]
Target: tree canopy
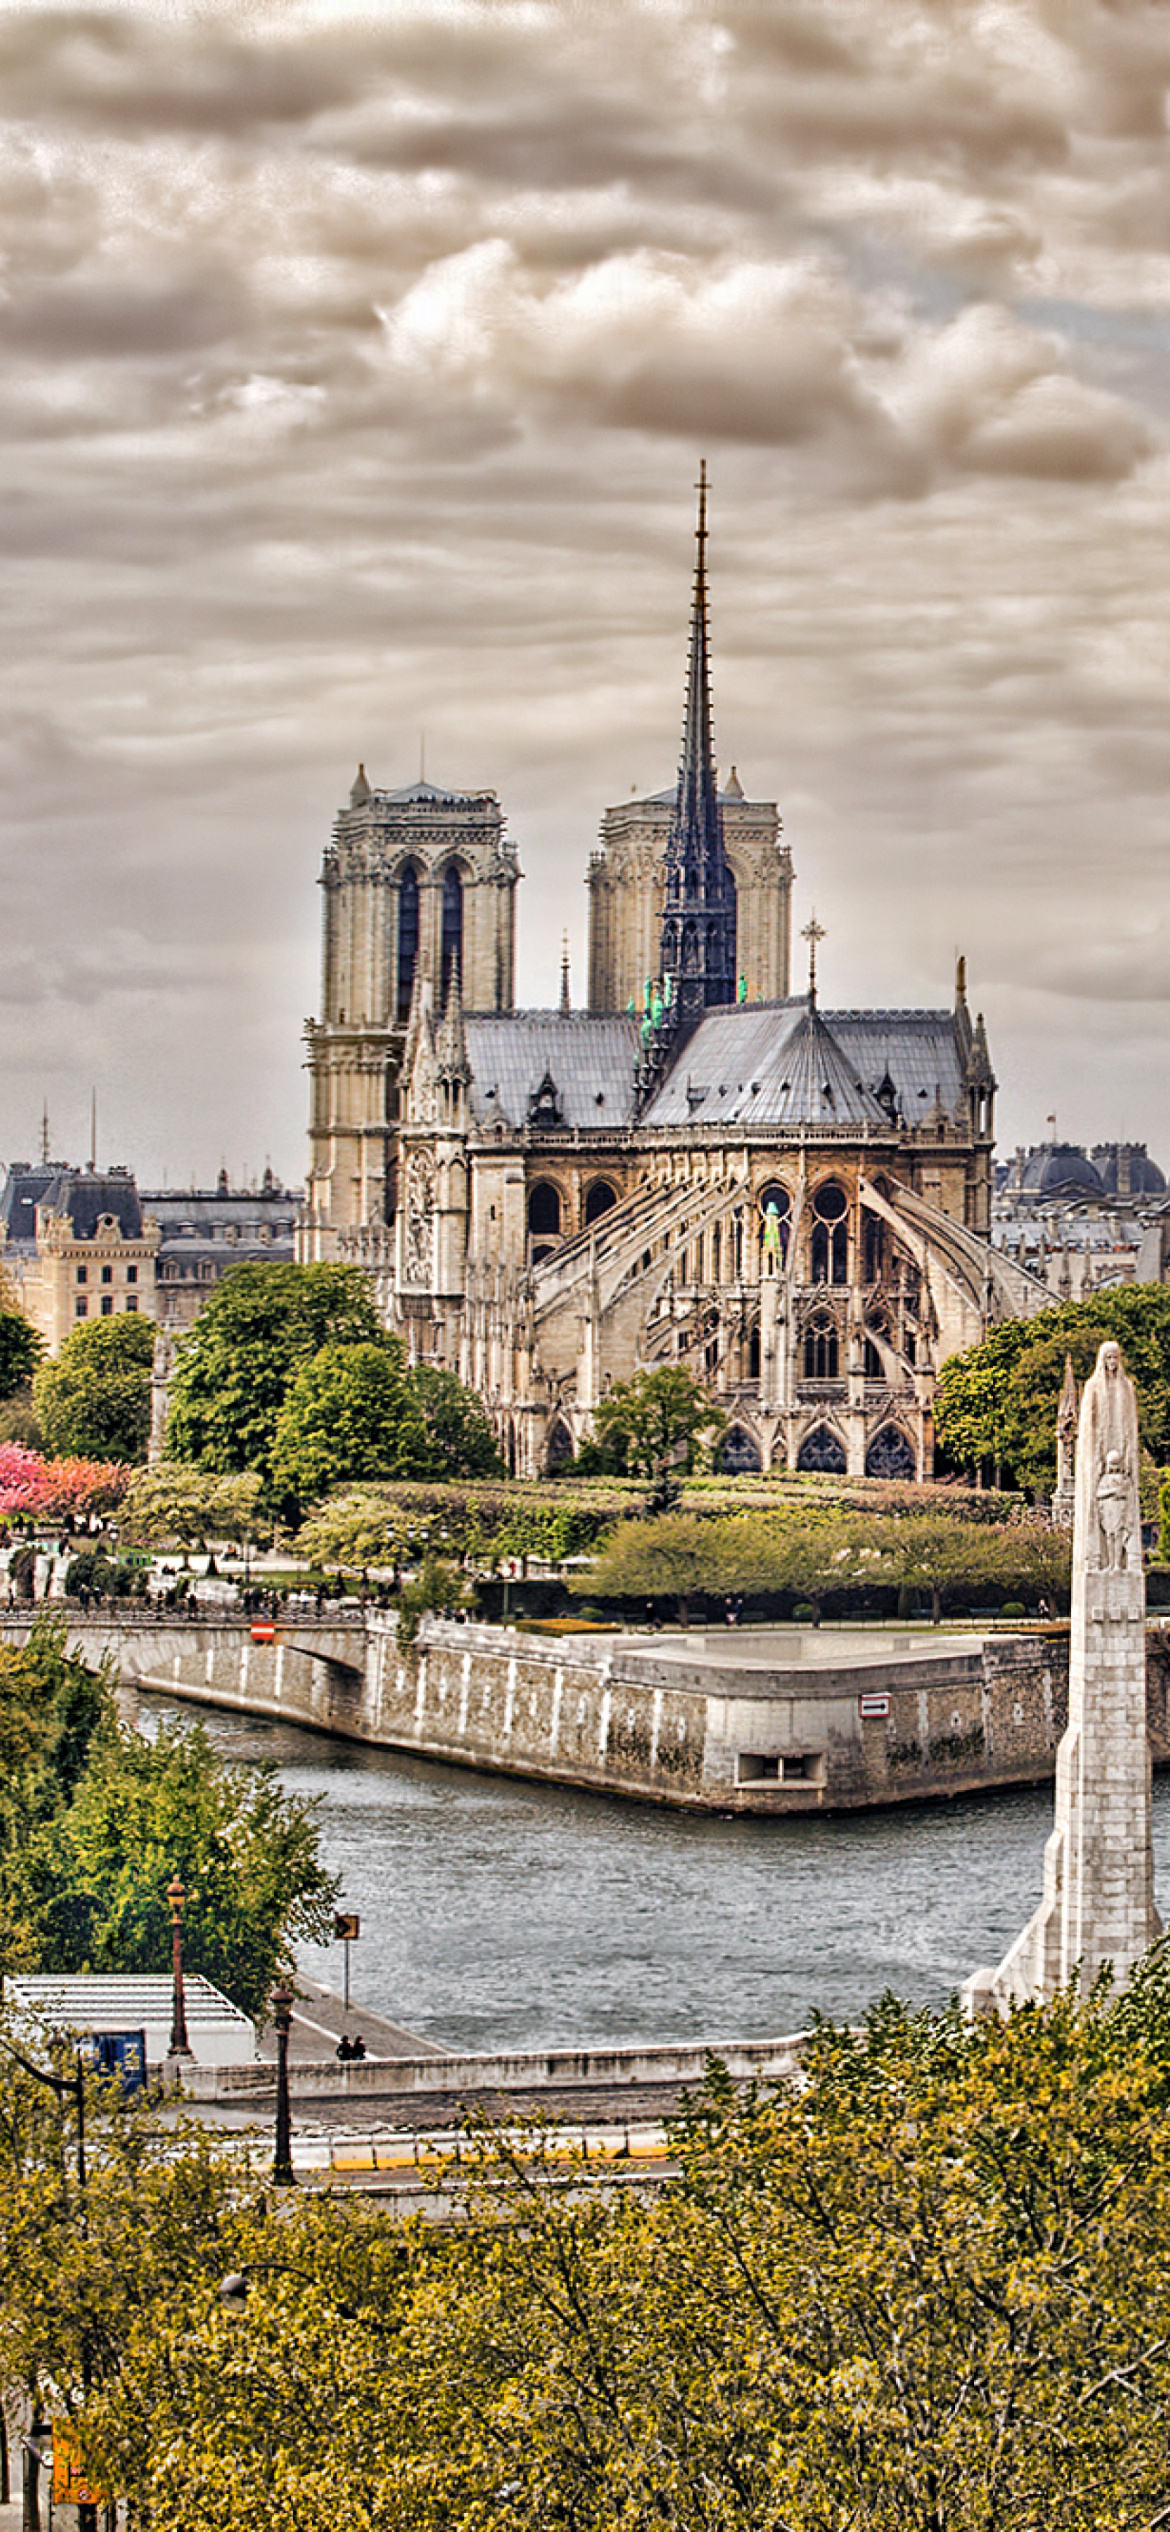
[[95, 1820], [235, 1367], [643, 1426], [350, 1414], [996, 1405], [176, 1505], [95, 1399], [21, 1348], [289, 1373], [459, 1431], [815, 1555], [924, 2288]]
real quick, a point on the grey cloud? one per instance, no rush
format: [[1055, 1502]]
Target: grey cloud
[[89, 319], [254, 529]]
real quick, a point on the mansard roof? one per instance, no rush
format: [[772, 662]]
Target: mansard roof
[[589, 1055], [82, 1195], [788, 1064]]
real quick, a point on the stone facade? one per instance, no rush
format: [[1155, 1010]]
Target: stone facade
[[75, 1245], [415, 882], [775, 1724], [627, 892], [205, 1231]]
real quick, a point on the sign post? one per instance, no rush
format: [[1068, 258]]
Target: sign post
[[346, 1929]]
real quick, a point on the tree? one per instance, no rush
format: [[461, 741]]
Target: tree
[[95, 1399], [21, 1348], [461, 1437], [924, 2288], [996, 1405], [247, 1853], [236, 1366], [350, 1414], [656, 1420], [175, 1505]]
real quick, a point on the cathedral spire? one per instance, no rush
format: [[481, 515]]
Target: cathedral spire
[[698, 924]]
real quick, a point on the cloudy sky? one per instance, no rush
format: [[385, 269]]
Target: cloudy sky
[[355, 369]]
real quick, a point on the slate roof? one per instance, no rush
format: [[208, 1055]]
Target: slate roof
[[590, 1055], [918, 1048], [782, 1064], [82, 1194]]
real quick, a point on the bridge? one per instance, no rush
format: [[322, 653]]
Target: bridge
[[307, 1670]]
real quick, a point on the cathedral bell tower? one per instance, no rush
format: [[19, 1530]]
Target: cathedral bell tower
[[698, 920]]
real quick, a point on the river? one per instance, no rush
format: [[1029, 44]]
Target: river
[[498, 1914]]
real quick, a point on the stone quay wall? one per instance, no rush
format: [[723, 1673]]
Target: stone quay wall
[[726, 1729]]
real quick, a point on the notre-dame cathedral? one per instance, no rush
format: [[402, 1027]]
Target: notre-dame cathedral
[[702, 1168]]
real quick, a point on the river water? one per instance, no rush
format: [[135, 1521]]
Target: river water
[[498, 1914]]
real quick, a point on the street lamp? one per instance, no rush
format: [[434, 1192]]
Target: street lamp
[[282, 2005], [180, 2044]]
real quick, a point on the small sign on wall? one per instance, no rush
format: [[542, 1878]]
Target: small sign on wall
[[873, 1709]]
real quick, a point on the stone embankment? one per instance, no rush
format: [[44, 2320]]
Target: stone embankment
[[774, 1721]]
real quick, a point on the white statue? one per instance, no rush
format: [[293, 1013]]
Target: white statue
[[1108, 1527]]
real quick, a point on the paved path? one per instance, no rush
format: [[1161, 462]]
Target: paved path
[[319, 2020]]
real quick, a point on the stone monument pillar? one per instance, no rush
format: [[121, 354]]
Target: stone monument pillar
[[1098, 1902], [1064, 1500]]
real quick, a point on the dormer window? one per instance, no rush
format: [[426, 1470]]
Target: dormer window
[[544, 1105]]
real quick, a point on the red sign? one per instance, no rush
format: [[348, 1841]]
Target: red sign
[[873, 1709], [264, 1635]]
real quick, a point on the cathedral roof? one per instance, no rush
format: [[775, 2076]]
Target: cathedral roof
[[589, 1055], [767, 1065], [788, 1064]]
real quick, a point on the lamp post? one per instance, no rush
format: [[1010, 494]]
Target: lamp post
[[180, 2044], [282, 2004]]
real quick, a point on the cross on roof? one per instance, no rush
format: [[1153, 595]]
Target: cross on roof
[[814, 934]]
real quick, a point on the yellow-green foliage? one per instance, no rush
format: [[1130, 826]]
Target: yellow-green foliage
[[926, 2291]]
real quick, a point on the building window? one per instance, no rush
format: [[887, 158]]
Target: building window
[[107, 1306], [830, 1238], [822, 1353], [80, 1309], [132, 1274], [544, 1210], [407, 937], [452, 949], [600, 1199], [83, 1274], [132, 1301], [107, 1274]]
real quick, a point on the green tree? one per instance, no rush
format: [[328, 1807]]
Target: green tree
[[21, 1348], [657, 1420], [996, 1405], [462, 1441], [176, 1505], [350, 1414], [235, 1368], [94, 1401], [247, 1853]]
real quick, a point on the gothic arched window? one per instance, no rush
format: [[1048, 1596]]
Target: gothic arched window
[[830, 1235], [822, 1449], [451, 954], [890, 1454], [407, 938], [822, 1351], [600, 1199], [544, 1210]]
